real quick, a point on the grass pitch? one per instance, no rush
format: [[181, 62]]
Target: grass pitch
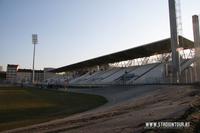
[[25, 106]]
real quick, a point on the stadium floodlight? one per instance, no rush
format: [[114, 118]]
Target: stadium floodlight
[[34, 41], [174, 41]]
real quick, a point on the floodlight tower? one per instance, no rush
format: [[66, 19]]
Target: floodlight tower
[[196, 33], [34, 41], [174, 41]]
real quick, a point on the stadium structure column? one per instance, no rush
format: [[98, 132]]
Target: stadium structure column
[[174, 41], [195, 21]]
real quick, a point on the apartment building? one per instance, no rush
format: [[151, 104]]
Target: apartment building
[[11, 73]]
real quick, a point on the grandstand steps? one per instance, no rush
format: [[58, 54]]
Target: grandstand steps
[[147, 73], [187, 63], [115, 71], [125, 77], [75, 80], [98, 77], [105, 75], [114, 76], [144, 74], [94, 75]]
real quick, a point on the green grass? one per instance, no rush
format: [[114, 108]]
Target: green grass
[[25, 106]]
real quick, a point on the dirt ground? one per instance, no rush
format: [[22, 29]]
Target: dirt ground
[[126, 112]]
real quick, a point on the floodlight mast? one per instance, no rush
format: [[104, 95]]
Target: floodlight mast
[[174, 41], [196, 34], [34, 41]]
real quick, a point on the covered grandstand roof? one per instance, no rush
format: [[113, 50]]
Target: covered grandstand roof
[[158, 47]]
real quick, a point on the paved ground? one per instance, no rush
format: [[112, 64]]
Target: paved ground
[[126, 112]]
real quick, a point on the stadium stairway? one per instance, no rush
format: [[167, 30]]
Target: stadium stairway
[[77, 79], [106, 74], [145, 70], [110, 78], [187, 63], [99, 76]]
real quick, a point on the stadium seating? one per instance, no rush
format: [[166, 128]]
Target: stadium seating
[[149, 73]]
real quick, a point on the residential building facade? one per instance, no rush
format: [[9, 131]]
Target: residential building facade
[[25, 76], [16, 75], [11, 73]]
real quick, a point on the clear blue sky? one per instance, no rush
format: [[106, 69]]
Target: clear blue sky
[[75, 30]]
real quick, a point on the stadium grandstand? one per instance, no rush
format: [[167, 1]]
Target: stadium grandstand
[[168, 61], [146, 64]]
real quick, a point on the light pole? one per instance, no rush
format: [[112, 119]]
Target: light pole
[[174, 41], [34, 41]]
